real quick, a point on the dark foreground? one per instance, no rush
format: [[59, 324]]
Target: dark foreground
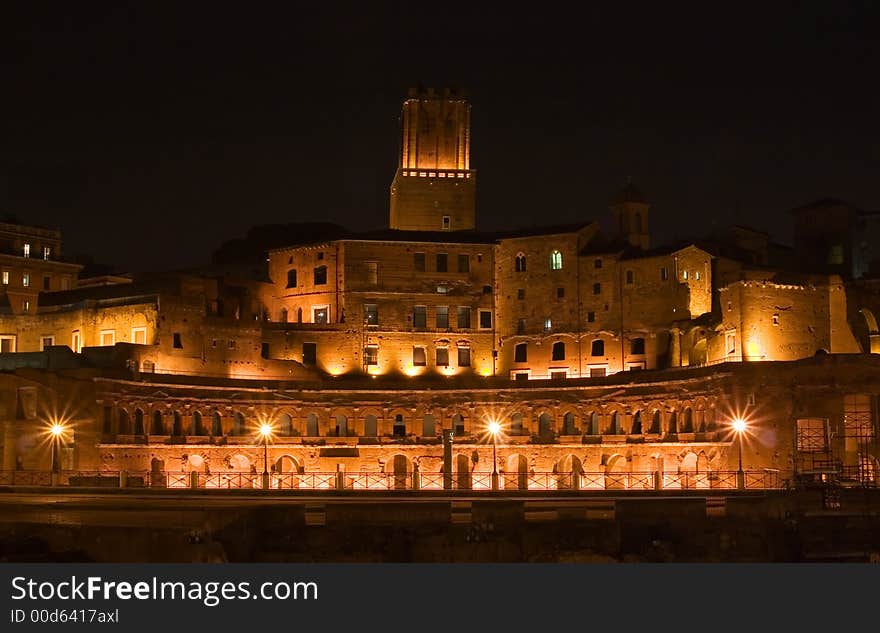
[[179, 526]]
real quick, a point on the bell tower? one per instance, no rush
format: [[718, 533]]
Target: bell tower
[[630, 211], [434, 187]]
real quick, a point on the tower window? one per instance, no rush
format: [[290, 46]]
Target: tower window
[[630, 277], [371, 270], [520, 263], [27, 250], [291, 278], [521, 293], [555, 260], [591, 317], [560, 293], [47, 252], [597, 288], [637, 346], [597, 263], [25, 280], [775, 319], [521, 353], [178, 341], [464, 263], [548, 324], [420, 317], [597, 348], [442, 262], [371, 355], [684, 275], [521, 326], [320, 275], [447, 223], [664, 273], [371, 314], [419, 262], [697, 275]]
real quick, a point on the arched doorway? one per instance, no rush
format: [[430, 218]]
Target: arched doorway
[[568, 472], [516, 475], [341, 426], [401, 471], [463, 472], [615, 473]]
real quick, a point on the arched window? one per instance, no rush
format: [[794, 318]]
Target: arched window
[[312, 425], [597, 288], [516, 424], [282, 318], [673, 423], [341, 426], [299, 315], [124, 423], [597, 348], [568, 427], [593, 423], [555, 260], [197, 428], [614, 428], [637, 347], [688, 423], [655, 422], [371, 426], [521, 353], [237, 424], [139, 422], [458, 424], [291, 278], [545, 425], [559, 351], [177, 425], [158, 427], [520, 263], [216, 425], [637, 423], [285, 425], [428, 425]]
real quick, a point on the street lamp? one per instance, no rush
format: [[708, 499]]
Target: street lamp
[[56, 431], [739, 427], [494, 429], [265, 433]]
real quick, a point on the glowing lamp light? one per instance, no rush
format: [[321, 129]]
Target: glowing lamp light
[[56, 429], [494, 427], [265, 429], [739, 425]]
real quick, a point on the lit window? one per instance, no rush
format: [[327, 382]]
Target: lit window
[[76, 341], [664, 273], [447, 223], [139, 336], [775, 319], [5, 277], [7, 343], [25, 280], [731, 344], [46, 341], [371, 355], [47, 252], [697, 275], [108, 338], [26, 306], [520, 263], [555, 260], [371, 314], [442, 289], [27, 250], [684, 274], [548, 324], [321, 314]]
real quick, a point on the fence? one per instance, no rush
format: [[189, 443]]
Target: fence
[[473, 481]]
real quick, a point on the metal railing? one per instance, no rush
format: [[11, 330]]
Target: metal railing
[[473, 481]]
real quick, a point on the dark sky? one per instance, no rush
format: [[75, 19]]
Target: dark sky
[[150, 133]]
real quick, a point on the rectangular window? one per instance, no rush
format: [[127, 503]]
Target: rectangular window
[[321, 314], [26, 305], [5, 277], [310, 354], [291, 278], [320, 255], [442, 317], [442, 289], [47, 252], [548, 324], [664, 273], [630, 277], [371, 314], [399, 427], [591, 317], [446, 223], [7, 344], [597, 372], [560, 293], [76, 341], [521, 376], [371, 269], [321, 276], [684, 275], [731, 344], [857, 418], [47, 280], [419, 262], [597, 288], [442, 357], [775, 319], [264, 350], [25, 279], [419, 358], [597, 263], [521, 294], [230, 344], [371, 355], [464, 356], [46, 341], [108, 338], [521, 326], [464, 317], [485, 319], [139, 335], [442, 262], [464, 263], [27, 250], [420, 317], [559, 375], [521, 353], [812, 435], [178, 341]]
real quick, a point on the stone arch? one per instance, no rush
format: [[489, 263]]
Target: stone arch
[[197, 428], [463, 472], [123, 422], [158, 425], [636, 423], [139, 428], [688, 463], [615, 466], [176, 424], [240, 463], [545, 424], [341, 425], [568, 470], [516, 475], [286, 464], [702, 462], [615, 423], [285, 425], [873, 331]]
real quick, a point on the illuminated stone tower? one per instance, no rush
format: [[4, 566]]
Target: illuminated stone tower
[[630, 210], [434, 187]]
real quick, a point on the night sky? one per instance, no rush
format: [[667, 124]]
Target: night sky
[[150, 133]]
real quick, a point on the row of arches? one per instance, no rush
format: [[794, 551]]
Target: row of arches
[[547, 422]]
